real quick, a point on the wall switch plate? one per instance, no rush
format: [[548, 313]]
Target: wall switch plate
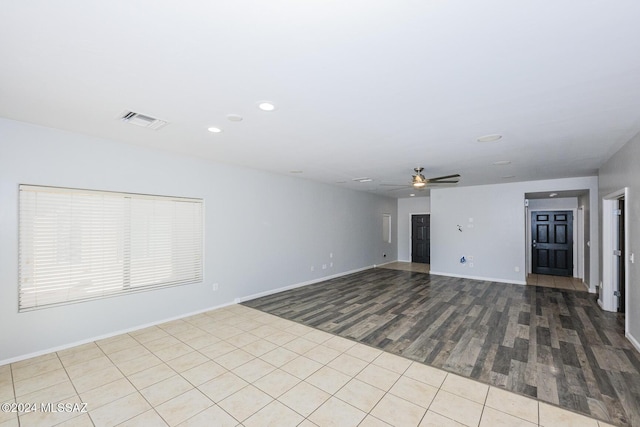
[[312, 268], [215, 287], [517, 269], [324, 266]]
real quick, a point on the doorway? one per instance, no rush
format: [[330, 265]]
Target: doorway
[[552, 243], [420, 239], [615, 245], [620, 252]]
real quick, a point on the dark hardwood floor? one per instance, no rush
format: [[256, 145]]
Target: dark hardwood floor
[[555, 345]]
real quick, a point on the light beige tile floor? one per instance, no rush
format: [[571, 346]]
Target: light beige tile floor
[[407, 266], [559, 282], [237, 366]]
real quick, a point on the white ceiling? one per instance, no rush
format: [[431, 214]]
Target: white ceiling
[[362, 88]]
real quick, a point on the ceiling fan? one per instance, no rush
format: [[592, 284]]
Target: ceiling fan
[[419, 182]]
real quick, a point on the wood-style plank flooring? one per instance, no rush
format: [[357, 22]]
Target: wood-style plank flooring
[[556, 345]]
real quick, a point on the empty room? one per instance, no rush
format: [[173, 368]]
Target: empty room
[[319, 213]]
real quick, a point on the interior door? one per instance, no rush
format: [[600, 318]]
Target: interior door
[[420, 239], [552, 242]]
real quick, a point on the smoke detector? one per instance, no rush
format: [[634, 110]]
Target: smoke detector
[[142, 120]]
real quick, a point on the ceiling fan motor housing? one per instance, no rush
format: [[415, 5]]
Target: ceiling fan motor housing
[[419, 181]]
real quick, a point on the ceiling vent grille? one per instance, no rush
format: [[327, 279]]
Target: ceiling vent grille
[[142, 120]]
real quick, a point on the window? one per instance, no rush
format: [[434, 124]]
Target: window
[[386, 228], [82, 244]]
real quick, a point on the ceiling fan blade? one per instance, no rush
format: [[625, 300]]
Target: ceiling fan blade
[[395, 185], [442, 182], [438, 178]]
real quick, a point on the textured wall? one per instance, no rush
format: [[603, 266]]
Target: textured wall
[[406, 207], [263, 231], [493, 222], [620, 171]]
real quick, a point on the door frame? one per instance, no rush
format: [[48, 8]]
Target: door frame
[[577, 235], [607, 300], [411, 214], [579, 223]]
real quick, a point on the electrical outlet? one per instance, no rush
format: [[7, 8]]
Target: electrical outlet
[[331, 265], [312, 268], [517, 269], [215, 287], [324, 266]]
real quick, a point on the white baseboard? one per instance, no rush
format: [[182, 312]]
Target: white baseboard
[[109, 335], [633, 341], [298, 285], [384, 263], [601, 304], [182, 316], [588, 288], [484, 279]]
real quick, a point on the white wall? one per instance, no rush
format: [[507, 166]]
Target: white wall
[[559, 203], [620, 171], [259, 237], [407, 207], [497, 236]]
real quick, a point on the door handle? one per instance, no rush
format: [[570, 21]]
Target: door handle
[[534, 244]]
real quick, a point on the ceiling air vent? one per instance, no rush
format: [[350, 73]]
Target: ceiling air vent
[[142, 120]]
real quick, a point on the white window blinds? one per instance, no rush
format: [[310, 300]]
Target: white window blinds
[[82, 244]]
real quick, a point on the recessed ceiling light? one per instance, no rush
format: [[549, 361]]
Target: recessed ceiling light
[[234, 117], [412, 195], [502, 162], [363, 179], [214, 129], [508, 176], [341, 182], [489, 138], [266, 106], [295, 171], [553, 194]]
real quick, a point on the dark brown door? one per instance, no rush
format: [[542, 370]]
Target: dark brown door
[[621, 256], [552, 243], [420, 239]]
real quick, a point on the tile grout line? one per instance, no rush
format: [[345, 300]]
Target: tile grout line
[[299, 380], [129, 381], [559, 292], [447, 373]]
